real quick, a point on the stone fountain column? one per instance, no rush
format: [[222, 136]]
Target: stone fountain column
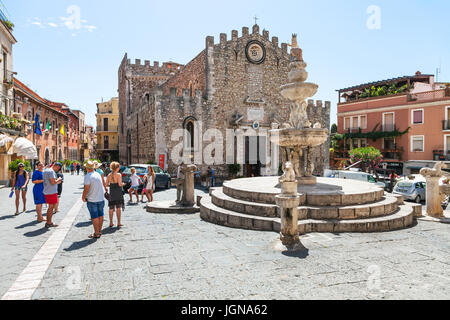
[[288, 201], [188, 189], [434, 195], [297, 137]]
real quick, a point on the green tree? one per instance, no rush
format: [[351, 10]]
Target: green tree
[[334, 128], [369, 157]]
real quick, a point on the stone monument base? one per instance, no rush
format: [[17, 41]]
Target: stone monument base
[[307, 180], [170, 207]]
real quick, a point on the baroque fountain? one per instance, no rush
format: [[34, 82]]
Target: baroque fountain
[[298, 203]]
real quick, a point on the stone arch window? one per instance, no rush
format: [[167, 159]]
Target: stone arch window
[[190, 134], [147, 98], [191, 89]]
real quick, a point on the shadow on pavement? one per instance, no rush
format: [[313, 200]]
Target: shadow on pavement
[[80, 244], [83, 224], [7, 217], [109, 230], [36, 233], [29, 224], [301, 254]]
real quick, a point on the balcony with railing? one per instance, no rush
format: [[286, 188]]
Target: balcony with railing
[[107, 128], [429, 95], [11, 125], [107, 147], [393, 154], [8, 79]]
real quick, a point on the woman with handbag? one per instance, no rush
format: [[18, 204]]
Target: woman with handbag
[[115, 196]]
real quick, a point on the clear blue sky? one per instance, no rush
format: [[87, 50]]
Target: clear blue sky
[[77, 64]]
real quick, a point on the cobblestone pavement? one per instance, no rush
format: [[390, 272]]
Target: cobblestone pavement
[[182, 257]]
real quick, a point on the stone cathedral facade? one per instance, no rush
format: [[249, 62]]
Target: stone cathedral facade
[[233, 84]]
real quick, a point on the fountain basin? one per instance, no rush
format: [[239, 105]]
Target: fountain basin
[[302, 138], [299, 91]]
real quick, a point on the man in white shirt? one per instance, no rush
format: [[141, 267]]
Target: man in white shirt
[[94, 196]]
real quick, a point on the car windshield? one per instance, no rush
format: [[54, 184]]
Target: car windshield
[[404, 184], [139, 170]]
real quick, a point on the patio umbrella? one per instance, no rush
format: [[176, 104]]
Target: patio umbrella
[[24, 147], [4, 140]]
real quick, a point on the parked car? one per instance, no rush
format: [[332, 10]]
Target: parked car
[[163, 179], [411, 190], [360, 176]]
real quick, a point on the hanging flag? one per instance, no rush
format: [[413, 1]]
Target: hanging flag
[[48, 126], [37, 125], [62, 131]]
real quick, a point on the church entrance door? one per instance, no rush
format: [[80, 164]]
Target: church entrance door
[[255, 154]]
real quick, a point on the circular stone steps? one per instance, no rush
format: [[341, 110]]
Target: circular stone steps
[[403, 217], [385, 206], [327, 191]]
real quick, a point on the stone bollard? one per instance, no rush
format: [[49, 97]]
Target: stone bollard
[[434, 196], [188, 189], [288, 201]]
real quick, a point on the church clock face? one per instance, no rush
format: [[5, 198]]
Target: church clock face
[[255, 52]]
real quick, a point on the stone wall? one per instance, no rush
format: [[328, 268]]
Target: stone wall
[[318, 112], [136, 117], [216, 86]]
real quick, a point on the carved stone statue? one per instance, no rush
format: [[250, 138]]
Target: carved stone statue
[[289, 174]]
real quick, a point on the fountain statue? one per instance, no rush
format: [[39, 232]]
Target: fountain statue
[[299, 136]]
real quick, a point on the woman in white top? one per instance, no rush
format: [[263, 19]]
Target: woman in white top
[[149, 184], [135, 182]]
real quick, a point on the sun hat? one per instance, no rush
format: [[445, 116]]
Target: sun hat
[[91, 165]]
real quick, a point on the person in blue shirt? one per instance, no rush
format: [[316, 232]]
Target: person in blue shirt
[[38, 190]]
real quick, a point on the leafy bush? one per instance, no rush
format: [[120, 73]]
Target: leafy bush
[[234, 169], [14, 165], [151, 162]]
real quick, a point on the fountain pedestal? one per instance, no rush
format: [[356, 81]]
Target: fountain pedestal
[[434, 195], [288, 202]]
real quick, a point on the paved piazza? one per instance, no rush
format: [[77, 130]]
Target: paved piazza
[[182, 257]]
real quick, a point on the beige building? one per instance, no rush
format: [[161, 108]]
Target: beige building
[[107, 130], [7, 131]]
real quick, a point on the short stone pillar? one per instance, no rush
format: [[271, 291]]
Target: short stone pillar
[[288, 201], [188, 188], [434, 196]]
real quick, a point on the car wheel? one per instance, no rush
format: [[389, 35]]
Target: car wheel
[[418, 199]]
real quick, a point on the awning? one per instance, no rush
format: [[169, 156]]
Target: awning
[[4, 140], [25, 148]]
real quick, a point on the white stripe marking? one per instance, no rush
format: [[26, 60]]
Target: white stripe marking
[[30, 278]]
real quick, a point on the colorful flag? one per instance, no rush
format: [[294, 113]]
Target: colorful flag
[[48, 126], [62, 131], [37, 125]]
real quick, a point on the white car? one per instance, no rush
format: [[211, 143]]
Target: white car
[[360, 176]]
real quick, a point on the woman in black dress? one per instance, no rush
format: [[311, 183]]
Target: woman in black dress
[[116, 201]]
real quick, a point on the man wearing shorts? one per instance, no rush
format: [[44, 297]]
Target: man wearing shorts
[[94, 196], [51, 182]]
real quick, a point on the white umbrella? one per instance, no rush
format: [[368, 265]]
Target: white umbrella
[[24, 147], [4, 140]]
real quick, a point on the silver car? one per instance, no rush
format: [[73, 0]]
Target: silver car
[[411, 190]]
